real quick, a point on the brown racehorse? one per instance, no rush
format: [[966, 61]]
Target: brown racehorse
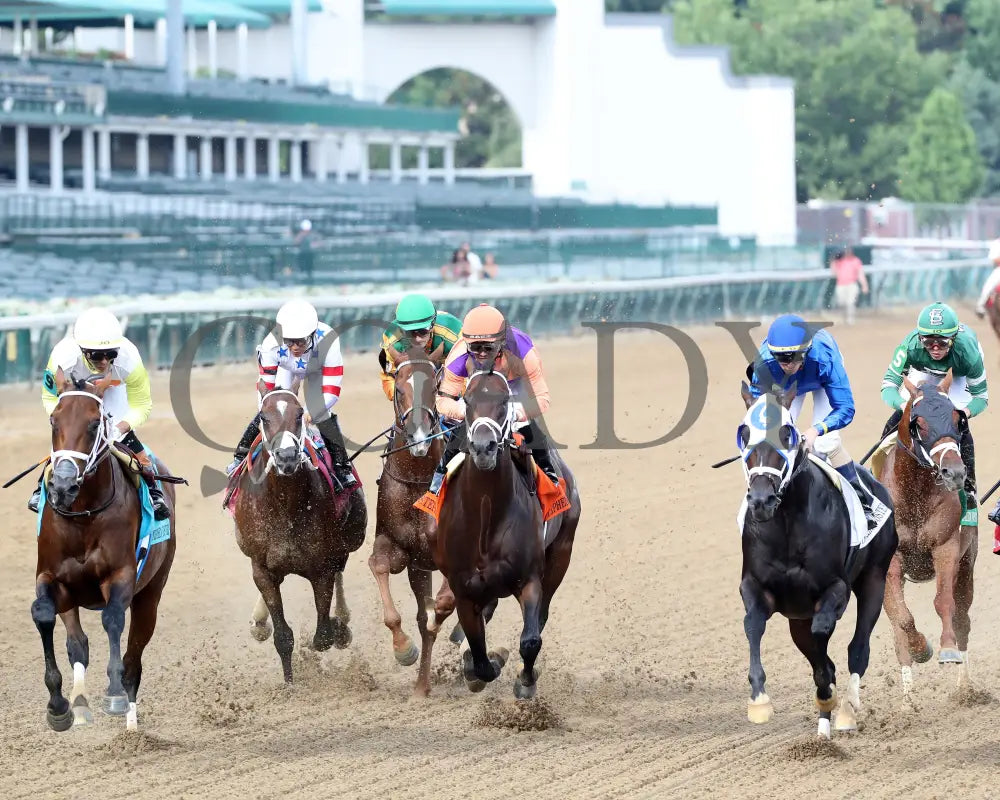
[[290, 522], [923, 474], [404, 536], [993, 312], [491, 539], [87, 556]]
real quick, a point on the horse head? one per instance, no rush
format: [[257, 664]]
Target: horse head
[[770, 446], [81, 432], [414, 397], [931, 428], [283, 429], [487, 417]]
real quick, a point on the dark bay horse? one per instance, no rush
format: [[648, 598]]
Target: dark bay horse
[[798, 560], [289, 521], [404, 536], [491, 540], [924, 473], [87, 556]]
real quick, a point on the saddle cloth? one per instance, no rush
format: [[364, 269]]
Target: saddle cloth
[[860, 535]]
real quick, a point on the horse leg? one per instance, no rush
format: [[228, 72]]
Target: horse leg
[[946, 558], [444, 606], [478, 667], [420, 583], [525, 685], [802, 635], [78, 650], [260, 621], [386, 555], [341, 611], [118, 597], [284, 640], [557, 559], [759, 708], [870, 592], [963, 602], [43, 613], [831, 607], [907, 639], [141, 627], [322, 587]]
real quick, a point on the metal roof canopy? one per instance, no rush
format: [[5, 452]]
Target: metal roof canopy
[[196, 12], [469, 8]]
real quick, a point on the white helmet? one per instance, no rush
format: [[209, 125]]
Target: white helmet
[[97, 329], [297, 319]]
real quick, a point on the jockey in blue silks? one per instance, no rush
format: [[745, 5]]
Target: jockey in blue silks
[[796, 353]]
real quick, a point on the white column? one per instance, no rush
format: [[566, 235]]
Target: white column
[[49, 37], [180, 156], [87, 160], [161, 41], [56, 157], [192, 51], [341, 160], [242, 61], [300, 34], [18, 36], [273, 165], [363, 165], [205, 158], [230, 158], [320, 149], [21, 156], [104, 154], [142, 156], [33, 36], [396, 161], [295, 161], [423, 164], [250, 157], [449, 162], [213, 50], [130, 37]]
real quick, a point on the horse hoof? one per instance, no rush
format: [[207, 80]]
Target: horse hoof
[[846, 721], [499, 657], [82, 715], [523, 691], [408, 657], [60, 722], [927, 655], [342, 636], [949, 655], [261, 632], [457, 635], [823, 729], [116, 705], [760, 711], [475, 685]]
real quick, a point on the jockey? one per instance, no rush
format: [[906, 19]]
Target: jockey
[[302, 349], [489, 341], [938, 344], [97, 347], [992, 280], [417, 323], [795, 353]]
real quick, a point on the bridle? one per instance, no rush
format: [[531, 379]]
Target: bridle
[[756, 435], [399, 426], [502, 432], [918, 452], [99, 451], [298, 439]]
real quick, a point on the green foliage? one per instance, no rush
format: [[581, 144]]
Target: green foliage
[[942, 163], [982, 44], [981, 99], [492, 133]]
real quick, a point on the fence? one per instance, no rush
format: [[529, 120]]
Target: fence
[[228, 331]]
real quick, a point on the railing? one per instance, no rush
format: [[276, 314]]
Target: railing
[[228, 331]]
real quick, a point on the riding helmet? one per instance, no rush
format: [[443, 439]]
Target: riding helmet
[[297, 319], [415, 312], [789, 333], [937, 319]]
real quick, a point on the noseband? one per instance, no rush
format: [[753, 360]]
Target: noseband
[[298, 439], [920, 453], [98, 451], [401, 416], [502, 432]]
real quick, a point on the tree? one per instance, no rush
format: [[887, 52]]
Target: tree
[[492, 133], [942, 163], [980, 98]]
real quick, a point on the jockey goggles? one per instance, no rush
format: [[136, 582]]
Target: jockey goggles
[[937, 341], [96, 356], [296, 342], [789, 357]]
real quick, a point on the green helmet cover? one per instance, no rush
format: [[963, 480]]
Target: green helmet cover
[[937, 319], [415, 312]]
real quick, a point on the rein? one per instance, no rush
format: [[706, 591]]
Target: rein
[[299, 439]]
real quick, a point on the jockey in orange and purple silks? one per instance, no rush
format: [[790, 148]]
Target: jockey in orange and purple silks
[[488, 341]]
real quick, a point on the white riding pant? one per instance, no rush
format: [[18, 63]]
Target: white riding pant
[[992, 282], [829, 444], [959, 391]]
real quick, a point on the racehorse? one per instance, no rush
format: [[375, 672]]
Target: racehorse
[[924, 473], [404, 536], [491, 539], [88, 557], [798, 558], [289, 521], [993, 312]]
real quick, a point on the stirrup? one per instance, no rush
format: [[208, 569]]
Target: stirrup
[[34, 500], [345, 476], [437, 481], [161, 510]]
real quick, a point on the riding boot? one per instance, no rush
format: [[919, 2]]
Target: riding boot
[[161, 510], [967, 449], [246, 441], [452, 450], [544, 459], [893, 423], [36, 496], [850, 472], [329, 429]]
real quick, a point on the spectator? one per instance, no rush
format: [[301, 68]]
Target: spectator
[[848, 271], [305, 239], [490, 269], [475, 264], [457, 269]]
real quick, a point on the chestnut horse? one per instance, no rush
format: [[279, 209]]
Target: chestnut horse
[[87, 555], [491, 539], [993, 312], [924, 473], [404, 536], [290, 522]]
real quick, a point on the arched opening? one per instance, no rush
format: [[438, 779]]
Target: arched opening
[[491, 131]]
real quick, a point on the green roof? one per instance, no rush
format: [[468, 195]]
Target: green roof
[[332, 114], [196, 12], [469, 8], [278, 7]]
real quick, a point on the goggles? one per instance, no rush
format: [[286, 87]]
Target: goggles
[[96, 356], [937, 341]]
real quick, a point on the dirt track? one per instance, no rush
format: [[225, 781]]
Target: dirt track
[[643, 687]]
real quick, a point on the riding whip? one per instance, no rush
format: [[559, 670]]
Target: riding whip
[[725, 461], [876, 446], [20, 475], [993, 488]]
